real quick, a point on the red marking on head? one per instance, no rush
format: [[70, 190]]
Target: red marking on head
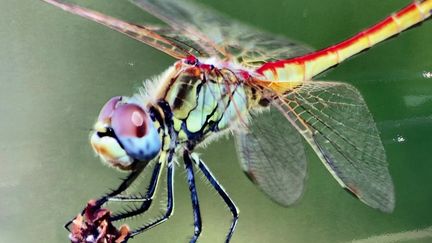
[[191, 60]]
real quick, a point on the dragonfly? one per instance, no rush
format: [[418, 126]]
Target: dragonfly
[[231, 78]]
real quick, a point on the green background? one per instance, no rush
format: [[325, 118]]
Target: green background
[[57, 70]]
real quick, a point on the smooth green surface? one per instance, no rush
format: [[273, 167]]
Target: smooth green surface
[[57, 70]]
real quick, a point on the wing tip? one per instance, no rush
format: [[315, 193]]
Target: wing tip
[[387, 207], [383, 201]]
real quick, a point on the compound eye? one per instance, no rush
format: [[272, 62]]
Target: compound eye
[[129, 120], [108, 109]]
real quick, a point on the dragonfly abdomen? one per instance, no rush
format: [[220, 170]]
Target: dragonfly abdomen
[[306, 67]]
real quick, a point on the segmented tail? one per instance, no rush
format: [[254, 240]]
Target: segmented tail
[[306, 67]]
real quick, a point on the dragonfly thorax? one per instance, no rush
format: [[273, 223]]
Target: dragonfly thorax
[[204, 99]]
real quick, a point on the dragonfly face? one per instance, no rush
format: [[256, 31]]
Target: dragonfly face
[[124, 134]]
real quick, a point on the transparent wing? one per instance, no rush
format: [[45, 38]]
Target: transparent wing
[[219, 35], [172, 44], [272, 155], [336, 122]]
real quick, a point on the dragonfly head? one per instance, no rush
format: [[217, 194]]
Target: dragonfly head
[[124, 135]]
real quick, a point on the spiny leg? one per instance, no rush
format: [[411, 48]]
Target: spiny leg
[[194, 196], [218, 187], [123, 186], [170, 201], [146, 200]]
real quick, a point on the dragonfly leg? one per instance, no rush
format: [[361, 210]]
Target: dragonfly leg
[[218, 187], [123, 186], [170, 203], [194, 196], [146, 200]]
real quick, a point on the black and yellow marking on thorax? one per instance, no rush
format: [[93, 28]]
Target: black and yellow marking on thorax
[[204, 101]]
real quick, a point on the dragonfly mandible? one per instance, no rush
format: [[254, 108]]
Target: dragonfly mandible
[[229, 77]]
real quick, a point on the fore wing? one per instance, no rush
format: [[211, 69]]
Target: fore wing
[[173, 44], [272, 155], [222, 36], [195, 30], [336, 122]]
